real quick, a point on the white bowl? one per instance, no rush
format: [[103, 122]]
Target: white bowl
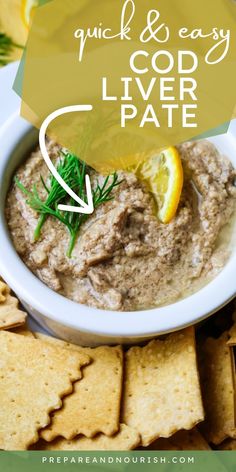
[[79, 323]]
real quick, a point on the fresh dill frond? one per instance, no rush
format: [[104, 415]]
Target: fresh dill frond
[[73, 172], [7, 45]]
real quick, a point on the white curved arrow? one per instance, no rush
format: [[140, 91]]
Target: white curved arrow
[[86, 208]]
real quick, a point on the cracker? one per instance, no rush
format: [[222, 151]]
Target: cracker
[[217, 380], [33, 378], [57, 342], [23, 331], [232, 333], [94, 407], [228, 445], [4, 291], [125, 440], [162, 393], [10, 315], [181, 441]]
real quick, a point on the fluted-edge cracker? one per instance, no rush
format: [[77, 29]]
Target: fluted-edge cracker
[[10, 315], [125, 440], [161, 391], [33, 379], [94, 407], [218, 389]]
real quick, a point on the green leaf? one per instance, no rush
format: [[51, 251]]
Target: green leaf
[[73, 172], [7, 45]]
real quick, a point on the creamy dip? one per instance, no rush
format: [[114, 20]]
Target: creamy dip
[[124, 258]]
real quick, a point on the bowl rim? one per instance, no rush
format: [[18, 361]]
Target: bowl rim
[[58, 308]]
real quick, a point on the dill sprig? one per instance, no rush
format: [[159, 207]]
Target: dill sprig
[[73, 172], [7, 45]]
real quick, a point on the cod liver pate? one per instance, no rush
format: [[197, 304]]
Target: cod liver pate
[[124, 258]]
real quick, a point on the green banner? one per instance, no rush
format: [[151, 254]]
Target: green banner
[[118, 461]]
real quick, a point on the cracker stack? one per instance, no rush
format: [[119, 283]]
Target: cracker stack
[[104, 407], [58, 396], [34, 378], [10, 315]]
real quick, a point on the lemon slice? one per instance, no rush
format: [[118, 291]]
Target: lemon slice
[[115, 148], [28, 8], [163, 173]]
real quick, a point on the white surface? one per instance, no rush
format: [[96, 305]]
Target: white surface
[[79, 323], [9, 100]]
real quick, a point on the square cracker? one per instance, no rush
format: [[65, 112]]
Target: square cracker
[[181, 441], [125, 440], [94, 407], [33, 378], [10, 315], [161, 392], [232, 332], [217, 379]]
